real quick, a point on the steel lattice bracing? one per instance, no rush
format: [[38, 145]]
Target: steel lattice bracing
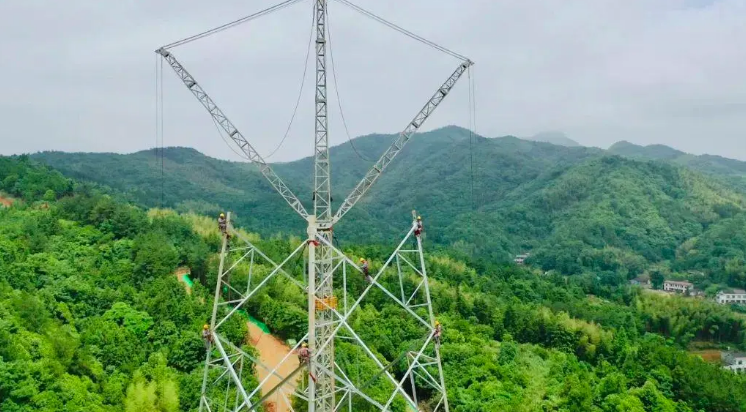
[[402, 279], [403, 138], [233, 132], [322, 170], [322, 392]]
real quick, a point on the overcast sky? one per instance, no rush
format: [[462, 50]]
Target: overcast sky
[[80, 75]]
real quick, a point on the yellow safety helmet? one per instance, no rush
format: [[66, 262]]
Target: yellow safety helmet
[[437, 323], [206, 327], [222, 215], [362, 260], [304, 344], [419, 217]]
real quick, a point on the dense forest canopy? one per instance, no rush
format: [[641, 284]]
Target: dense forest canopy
[[576, 209], [93, 318]]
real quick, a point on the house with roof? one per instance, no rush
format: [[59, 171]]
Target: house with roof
[[677, 286], [642, 281], [731, 296], [735, 361], [521, 259]]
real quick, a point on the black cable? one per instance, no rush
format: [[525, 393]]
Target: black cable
[[231, 24], [471, 138], [402, 30], [336, 91], [227, 143], [163, 154], [302, 84], [157, 111]]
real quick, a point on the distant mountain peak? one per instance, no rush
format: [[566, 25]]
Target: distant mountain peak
[[554, 137], [654, 151]]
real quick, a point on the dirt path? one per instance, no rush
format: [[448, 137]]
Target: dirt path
[[6, 201], [708, 355], [271, 351]]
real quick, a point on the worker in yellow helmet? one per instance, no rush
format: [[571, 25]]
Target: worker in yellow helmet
[[364, 268], [222, 223], [304, 354], [206, 335], [437, 332]]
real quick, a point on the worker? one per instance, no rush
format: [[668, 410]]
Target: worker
[[222, 224], [207, 335], [364, 268], [417, 231], [304, 358], [437, 332], [304, 354]]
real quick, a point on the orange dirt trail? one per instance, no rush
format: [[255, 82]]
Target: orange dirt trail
[[271, 351], [7, 202]]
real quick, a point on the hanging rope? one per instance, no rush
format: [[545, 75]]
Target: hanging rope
[[162, 144], [157, 109], [336, 90], [231, 24], [471, 138], [402, 30], [302, 84]]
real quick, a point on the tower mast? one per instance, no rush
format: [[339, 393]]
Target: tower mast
[[224, 380], [321, 396]]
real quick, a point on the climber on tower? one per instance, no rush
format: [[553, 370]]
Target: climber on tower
[[207, 335], [437, 332], [304, 357], [417, 231], [304, 354], [364, 268], [222, 224]]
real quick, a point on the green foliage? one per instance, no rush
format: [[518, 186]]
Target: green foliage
[[92, 318], [577, 209]]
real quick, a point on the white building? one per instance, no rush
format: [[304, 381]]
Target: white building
[[520, 259], [735, 361], [676, 286], [727, 297]]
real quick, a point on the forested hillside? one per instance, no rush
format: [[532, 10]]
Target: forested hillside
[[731, 171], [576, 209], [92, 319]]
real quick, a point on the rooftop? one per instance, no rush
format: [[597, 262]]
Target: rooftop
[[733, 291], [678, 282]]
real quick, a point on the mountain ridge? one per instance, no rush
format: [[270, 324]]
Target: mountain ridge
[[492, 197]]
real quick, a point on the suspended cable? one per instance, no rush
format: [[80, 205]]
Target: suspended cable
[[157, 109], [402, 30], [336, 90], [162, 145], [231, 24], [302, 84], [471, 138], [227, 143]]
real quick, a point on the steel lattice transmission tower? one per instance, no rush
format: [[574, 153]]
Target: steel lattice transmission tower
[[402, 278]]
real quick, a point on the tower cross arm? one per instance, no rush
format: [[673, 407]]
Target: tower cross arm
[[399, 143], [233, 132]]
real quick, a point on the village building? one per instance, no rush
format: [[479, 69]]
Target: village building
[[735, 361], [731, 296], [677, 286], [642, 281]]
